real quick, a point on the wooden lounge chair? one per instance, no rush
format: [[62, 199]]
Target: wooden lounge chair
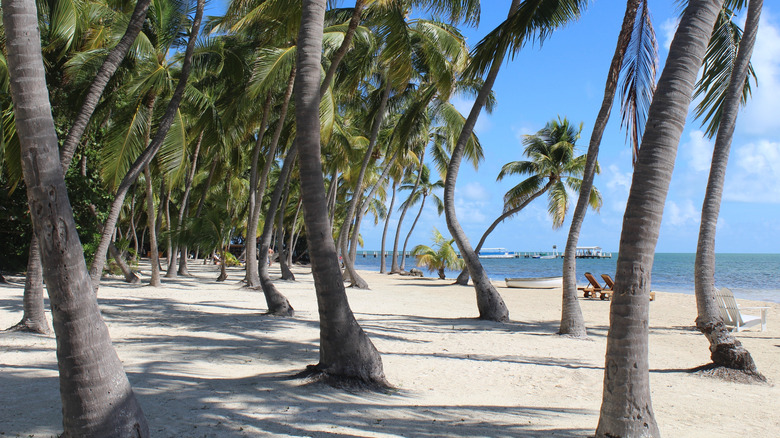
[[591, 289], [606, 294], [732, 315]]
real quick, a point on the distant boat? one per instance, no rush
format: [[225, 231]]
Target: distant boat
[[535, 283], [554, 255], [495, 253]]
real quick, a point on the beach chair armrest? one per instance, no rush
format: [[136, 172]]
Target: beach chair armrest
[[757, 307]]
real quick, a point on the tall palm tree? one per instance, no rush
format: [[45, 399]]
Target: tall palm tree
[[553, 169], [637, 47], [346, 352], [439, 257], [626, 408], [725, 349], [527, 21], [97, 399]]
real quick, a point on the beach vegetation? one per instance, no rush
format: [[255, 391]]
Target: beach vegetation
[[440, 256]]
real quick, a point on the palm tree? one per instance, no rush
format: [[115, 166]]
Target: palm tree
[[97, 399], [424, 189], [527, 21], [637, 47], [346, 352], [442, 256], [725, 349], [553, 169], [626, 408]]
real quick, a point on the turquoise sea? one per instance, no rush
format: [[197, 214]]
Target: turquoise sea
[[749, 276]]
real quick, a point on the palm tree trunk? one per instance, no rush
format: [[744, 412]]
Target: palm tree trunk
[[346, 352], [172, 250], [465, 272], [334, 184], [96, 269], [293, 234], [255, 198], [277, 303], [490, 304], [626, 408], [354, 21], [725, 349], [349, 263], [408, 235], [572, 321], [286, 273], [34, 316], [154, 255], [384, 231], [395, 268], [97, 399], [183, 271], [280, 303]]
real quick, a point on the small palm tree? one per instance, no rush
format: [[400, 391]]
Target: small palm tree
[[439, 257]]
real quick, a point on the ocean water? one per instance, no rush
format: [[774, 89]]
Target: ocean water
[[749, 276]]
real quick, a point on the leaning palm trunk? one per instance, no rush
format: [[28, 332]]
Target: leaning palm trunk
[[349, 263], [97, 399], [572, 321], [725, 349], [411, 229], [384, 231], [34, 316], [183, 271], [96, 269], [104, 74], [277, 303], [286, 272], [463, 278], [256, 197], [626, 408], [395, 268], [346, 352], [154, 255]]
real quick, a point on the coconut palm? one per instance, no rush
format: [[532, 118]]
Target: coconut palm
[[439, 257], [527, 21], [626, 408], [424, 188], [346, 352], [553, 169], [636, 59], [97, 399], [725, 349]]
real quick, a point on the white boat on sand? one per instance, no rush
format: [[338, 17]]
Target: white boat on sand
[[535, 283]]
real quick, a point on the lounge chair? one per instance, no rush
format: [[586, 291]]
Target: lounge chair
[[607, 293], [732, 315], [591, 289]]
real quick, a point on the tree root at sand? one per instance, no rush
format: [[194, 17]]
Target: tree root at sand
[[729, 374]]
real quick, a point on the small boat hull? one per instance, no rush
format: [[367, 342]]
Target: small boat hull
[[535, 283]]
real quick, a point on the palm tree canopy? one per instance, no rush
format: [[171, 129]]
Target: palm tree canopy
[[441, 256]]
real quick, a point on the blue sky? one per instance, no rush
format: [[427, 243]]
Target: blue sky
[[566, 78]]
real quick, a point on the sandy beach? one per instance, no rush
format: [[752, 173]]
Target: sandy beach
[[205, 362]]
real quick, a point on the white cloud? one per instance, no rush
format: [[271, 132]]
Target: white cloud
[[473, 191], [760, 114], [699, 151], [755, 173], [678, 215], [618, 180], [618, 185], [668, 28]]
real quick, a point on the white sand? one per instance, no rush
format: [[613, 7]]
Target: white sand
[[205, 362]]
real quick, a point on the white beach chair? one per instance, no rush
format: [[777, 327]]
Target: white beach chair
[[730, 312]]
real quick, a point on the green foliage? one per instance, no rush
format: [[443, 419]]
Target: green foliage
[[439, 257]]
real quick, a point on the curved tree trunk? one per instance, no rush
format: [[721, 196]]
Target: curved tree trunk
[[572, 321], [395, 268], [154, 255], [256, 198], [463, 277], [411, 229], [626, 408], [346, 352], [334, 184], [130, 276], [725, 349], [97, 399], [96, 269], [293, 235], [490, 304], [277, 303], [357, 194], [173, 259], [34, 317], [382, 269]]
